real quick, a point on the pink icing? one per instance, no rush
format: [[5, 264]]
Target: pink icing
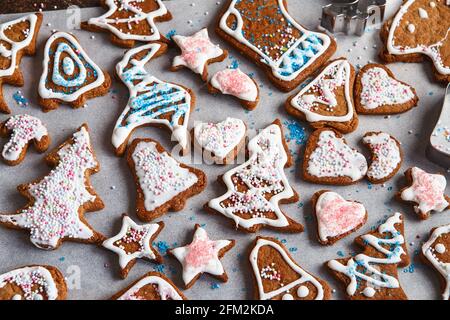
[[200, 252], [426, 190], [234, 82]]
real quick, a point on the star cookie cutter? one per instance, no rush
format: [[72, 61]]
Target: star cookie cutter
[[352, 17], [439, 147]]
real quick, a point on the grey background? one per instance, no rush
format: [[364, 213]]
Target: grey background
[[99, 267]]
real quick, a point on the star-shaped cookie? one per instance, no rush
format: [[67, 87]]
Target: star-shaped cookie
[[133, 242], [197, 51], [202, 255]]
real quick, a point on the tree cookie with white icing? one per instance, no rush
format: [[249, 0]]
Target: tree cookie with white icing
[[37, 282], [256, 188], [202, 255], [237, 84], [377, 91], [425, 191], [419, 29], [266, 33], [17, 38], [151, 286], [70, 76], [327, 101], [130, 21], [23, 130], [279, 277], [387, 156], [162, 182], [329, 160], [57, 202], [336, 217]]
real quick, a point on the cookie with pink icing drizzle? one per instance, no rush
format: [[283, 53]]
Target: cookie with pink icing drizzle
[[23, 129], [202, 255], [236, 83], [426, 192], [197, 52], [336, 217]]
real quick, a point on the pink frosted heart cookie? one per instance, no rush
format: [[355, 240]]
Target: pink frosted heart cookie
[[236, 83], [336, 217]]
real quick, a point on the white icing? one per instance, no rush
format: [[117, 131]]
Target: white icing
[[54, 214], [322, 91], [220, 138], [263, 174], [286, 57], [332, 157], [364, 268], [236, 83], [27, 279], [196, 51], [165, 289], [427, 191], [442, 266], [24, 128], [74, 86], [201, 255], [387, 152], [432, 51], [303, 291], [144, 108], [369, 292], [16, 47], [411, 28], [337, 216], [304, 277], [105, 22], [287, 296], [130, 229], [379, 89], [423, 13], [160, 176], [68, 66], [440, 248]]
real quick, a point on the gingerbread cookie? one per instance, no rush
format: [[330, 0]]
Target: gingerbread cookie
[[373, 273], [17, 38], [420, 28], [327, 101], [162, 182], [264, 31], [377, 91], [237, 84], [336, 217], [152, 102], [152, 286], [197, 52], [33, 283], [426, 192], [279, 277], [134, 242], [257, 187], [130, 21], [57, 203], [329, 160], [202, 255], [69, 75], [220, 142], [386, 156], [436, 252], [23, 130]]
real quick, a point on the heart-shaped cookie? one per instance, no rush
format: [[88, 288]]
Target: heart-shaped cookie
[[336, 217], [328, 99], [377, 91], [329, 160], [221, 141]]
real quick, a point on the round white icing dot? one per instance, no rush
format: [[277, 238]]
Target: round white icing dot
[[433, 4], [423, 14], [287, 296], [68, 66], [411, 28], [440, 248], [38, 297], [16, 297], [302, 291], [369, 292]]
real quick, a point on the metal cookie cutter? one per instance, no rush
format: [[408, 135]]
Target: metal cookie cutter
[[352, 16], [439, 148]]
